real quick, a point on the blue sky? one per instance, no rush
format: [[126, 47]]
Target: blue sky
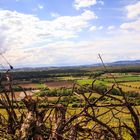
[[69, 32]]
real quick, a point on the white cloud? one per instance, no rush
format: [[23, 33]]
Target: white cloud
[[17, 25], [55, 15], [134, 25], [20, 32], [87, 14], [84, 3], [111, 27], [101, 2], [40, 6], [86, 52], [133, 11], [122, 47], [93, 28], [100, 27], [28, 40]]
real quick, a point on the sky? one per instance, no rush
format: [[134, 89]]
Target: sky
[[68, 32]]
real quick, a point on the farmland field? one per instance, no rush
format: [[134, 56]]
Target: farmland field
[[59, 84], [124, 79], [133, 84], [51, 87]]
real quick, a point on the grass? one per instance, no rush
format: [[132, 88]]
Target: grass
[[71, 78], [127, 88], [132, 84], [89, 81], [127, 83], [124, 78], [124, 117], [105, 118]]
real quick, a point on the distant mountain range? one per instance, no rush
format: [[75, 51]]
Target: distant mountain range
[[127, 62], [116, 63]]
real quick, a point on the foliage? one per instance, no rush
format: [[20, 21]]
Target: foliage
[[55, 92], [90, 117]]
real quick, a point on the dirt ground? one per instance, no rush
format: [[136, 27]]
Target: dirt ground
[[59, 84]]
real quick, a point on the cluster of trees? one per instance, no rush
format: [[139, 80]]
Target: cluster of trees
[[97, 74], [57, 122], [49, 74], [54, 92], [123, 69], [132, 96]]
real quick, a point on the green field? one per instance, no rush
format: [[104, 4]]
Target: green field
[[58, 85], [124, 79], [89, 81]]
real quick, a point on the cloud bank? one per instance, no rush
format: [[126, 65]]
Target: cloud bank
[[27, 40]]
